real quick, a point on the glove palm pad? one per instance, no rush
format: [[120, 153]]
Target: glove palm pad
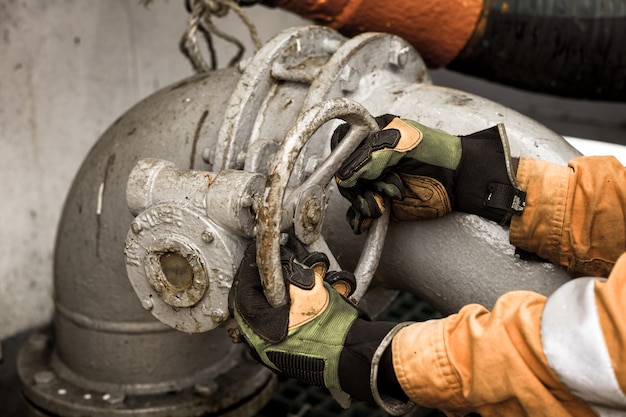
[[317, 337], [302, 339]]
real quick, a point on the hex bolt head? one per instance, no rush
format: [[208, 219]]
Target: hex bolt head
[[44, 377], [206, 388], [147, 303], [207, 236], [330, 46], [136, 226], [114, 398], [399, 56], [219, 315], [349, 79], [313, 213]]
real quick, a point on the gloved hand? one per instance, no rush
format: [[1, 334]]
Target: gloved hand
[[317, 337], [427, 173]]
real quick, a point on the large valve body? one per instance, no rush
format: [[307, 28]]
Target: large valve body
[[197, 153]]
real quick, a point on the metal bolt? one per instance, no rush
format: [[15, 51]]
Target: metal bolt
[[330, 46], [251, 202], [114, 398], [147, 303], [241, 65], [313, 213], [399, 56], [207, 236], [219, 315], [136, 226], [349, 79], [206, 388], [44, 377]]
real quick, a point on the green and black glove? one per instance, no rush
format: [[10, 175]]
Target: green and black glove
[[318, 336], [427, 173]]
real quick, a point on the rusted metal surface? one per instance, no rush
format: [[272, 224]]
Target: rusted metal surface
[[308, 214], [189, 227], [270, 210]]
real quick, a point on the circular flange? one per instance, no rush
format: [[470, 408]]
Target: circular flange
[[176, 271], [257, 82], [239, 390], [178, 263], [362, 63]]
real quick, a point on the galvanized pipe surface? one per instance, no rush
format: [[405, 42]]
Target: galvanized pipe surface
[[106, 345], [105, 340]]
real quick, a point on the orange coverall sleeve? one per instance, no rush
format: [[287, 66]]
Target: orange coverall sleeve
[[492, 362], [575, 216], [438, 29]]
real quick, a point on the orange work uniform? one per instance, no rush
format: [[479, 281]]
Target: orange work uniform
[[439, 30], [564, 355]]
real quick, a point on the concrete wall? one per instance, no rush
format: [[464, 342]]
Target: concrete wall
[[69, 68]]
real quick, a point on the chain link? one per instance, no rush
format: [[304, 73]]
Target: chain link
[[201, 13]]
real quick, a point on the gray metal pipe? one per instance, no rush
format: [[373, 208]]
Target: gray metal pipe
[[96, 310], [107, 349], [106, 344]]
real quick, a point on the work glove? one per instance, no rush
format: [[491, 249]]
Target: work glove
[[318, 336], [425, 173]]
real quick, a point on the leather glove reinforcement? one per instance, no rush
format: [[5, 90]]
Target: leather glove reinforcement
[[317, 337], [427, 173]]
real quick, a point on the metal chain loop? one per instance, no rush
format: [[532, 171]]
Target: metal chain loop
[[201, 12]]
